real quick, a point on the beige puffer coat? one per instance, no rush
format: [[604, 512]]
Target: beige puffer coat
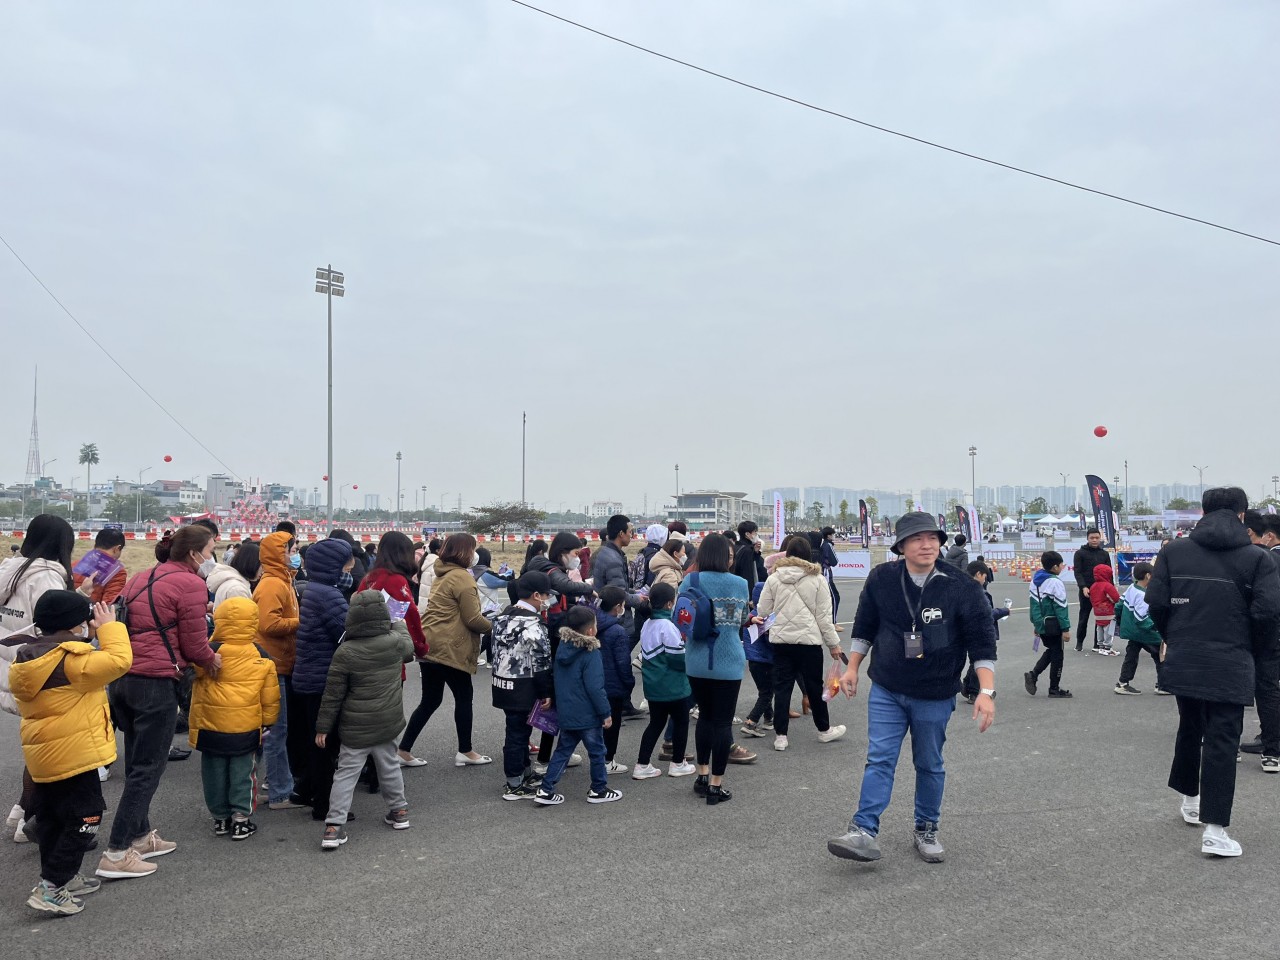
[[797, 592]]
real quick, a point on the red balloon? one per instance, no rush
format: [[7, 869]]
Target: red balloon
[[325, 477], [1099, 431], [355, 486], [168, 459]]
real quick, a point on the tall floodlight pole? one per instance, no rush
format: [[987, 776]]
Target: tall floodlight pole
[[973, 475], [1201, 471], [524, 429], [397, 489], [332, 284]]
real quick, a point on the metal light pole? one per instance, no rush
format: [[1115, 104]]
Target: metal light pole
[[140, 473], [442, 496], [1201, 470], [1127, 508], [973, 475], [331, 284], [1117, 483], [1065, 507], [524, 429], [1275, 487], [398, 495], [73, 496]]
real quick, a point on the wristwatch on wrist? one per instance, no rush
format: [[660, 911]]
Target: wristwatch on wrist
[[989, 693]]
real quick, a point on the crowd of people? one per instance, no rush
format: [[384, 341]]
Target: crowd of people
[[291, 659]]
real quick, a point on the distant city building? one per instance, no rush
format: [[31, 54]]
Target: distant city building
[[717, 510], [221, 492], [176, 494], [603, 509], [373, 501]]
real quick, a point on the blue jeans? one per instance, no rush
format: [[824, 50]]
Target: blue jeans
[[275, 748], [889, 717], [593, 740]]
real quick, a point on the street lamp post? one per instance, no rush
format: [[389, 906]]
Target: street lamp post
[[332, 284], [1065, 506], [973, 475], [398, 495], [524, 429], [1275, 487], [445, 494], [140, 473], [1201, 471], [73, 496], [1117, 483]]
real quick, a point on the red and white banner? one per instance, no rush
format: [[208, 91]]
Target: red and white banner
[[779, 521], [852, 565]]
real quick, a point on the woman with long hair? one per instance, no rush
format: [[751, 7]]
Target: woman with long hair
[[453, 624], [166, 615], [392, 570], [43, 563], [238, 576]]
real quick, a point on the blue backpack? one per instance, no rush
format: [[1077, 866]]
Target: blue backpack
[[695, 617]]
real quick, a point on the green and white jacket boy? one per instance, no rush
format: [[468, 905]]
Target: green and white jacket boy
[[1133, 619], [1048, 599]]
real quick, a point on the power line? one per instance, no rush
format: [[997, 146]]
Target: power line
[[119, 365], [896, 133]]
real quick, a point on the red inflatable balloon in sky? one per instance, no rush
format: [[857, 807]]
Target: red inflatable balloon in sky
[[1099, 431], [168, 459], [325, 477], [355, 486]]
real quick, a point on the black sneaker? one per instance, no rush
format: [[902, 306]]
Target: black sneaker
[[548, 799], [1252, 746], [1128, 690], [1029, 682], [1060, 694], [603, 796], [523, 792], [631, 712], [221, 826], [243, 829]]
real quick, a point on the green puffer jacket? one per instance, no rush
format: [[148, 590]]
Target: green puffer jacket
[[362, 694]]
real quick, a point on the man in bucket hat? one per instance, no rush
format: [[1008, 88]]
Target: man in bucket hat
[[920, 620]]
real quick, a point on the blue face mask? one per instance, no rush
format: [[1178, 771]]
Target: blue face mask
[[295, 561], [345, 581]]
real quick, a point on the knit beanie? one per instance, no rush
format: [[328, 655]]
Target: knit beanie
[[61, 610], [368, 616]]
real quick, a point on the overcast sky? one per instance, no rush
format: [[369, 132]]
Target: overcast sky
[[659, 266]]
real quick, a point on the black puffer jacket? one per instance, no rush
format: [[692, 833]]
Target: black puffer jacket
[[323, 616], [560, 581], [1215, 599], [1085, 560]]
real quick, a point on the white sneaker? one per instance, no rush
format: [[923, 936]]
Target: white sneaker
[[19, 835], [644, 705], [1216, 843], [15, 817], [613, 766], [575, 760], [832, 733], [104, 774], [645, 771], [780, 743], [684, 769], [1191, 810]]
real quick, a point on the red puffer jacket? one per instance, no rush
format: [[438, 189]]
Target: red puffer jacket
[[180, 599], [1103, 594], [397, 588]]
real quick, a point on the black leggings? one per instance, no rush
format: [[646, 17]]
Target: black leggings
[[762, 674], [792, 663], [616, 706], [1051, 660], [435, 677], [659, 712], [713, 738]]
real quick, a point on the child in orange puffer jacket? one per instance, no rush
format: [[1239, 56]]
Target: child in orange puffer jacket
[[1104, 597]]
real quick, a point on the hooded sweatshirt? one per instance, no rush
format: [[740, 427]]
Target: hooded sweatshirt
[[228, 714], [60, 684], [277, 603], [799, 594], [322, 616], [226, 582], [1103, 594], [581, 702], [521, 659]]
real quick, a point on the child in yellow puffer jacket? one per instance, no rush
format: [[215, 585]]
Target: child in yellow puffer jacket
[[59, 681], [228, 716]]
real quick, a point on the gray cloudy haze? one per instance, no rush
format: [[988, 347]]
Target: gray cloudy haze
[[657, 265]]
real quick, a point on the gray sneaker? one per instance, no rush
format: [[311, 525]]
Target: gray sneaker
[[927, 845], [857, 844]]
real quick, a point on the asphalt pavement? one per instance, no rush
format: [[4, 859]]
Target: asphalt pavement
[[1062, 840]]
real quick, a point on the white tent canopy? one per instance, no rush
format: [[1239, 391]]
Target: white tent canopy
[[1008, 522], [1050, 519]]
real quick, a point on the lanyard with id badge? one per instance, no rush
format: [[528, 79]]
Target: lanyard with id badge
[[913, 639]]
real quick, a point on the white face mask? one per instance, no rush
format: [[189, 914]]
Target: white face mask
[[207, 567], [572, 562], [475, 559]]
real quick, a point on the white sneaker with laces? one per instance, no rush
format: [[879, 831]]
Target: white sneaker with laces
[[780, 743], [684, 769], [575, 760], [1191, 810], [613, 766], [1215, 842], [19, 835], [645, 771], [15, 817], [832, 733]]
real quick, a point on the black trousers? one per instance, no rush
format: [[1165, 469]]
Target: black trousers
[[67, 814], [515, 746], [1086, 608], [313, 774], [616, 706], [792, 663], [435, 677], [660, 711], [1130, 666], [713, 738], [146, 710], [1267, 697], [1204, 755], [762, 674], [1051, 660]]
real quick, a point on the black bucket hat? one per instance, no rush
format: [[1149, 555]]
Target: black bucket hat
[[912, 523]]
